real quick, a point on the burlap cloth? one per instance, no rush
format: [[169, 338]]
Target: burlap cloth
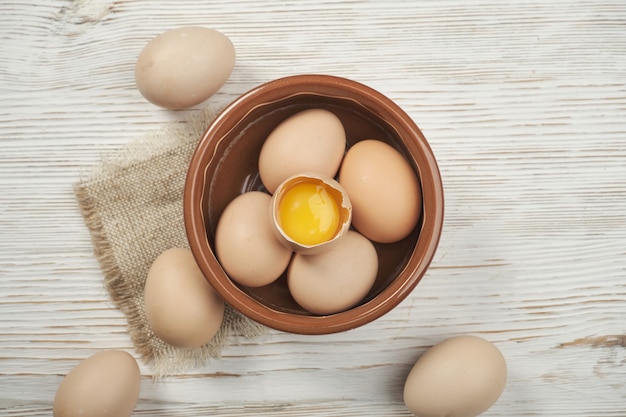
[[132, 206]]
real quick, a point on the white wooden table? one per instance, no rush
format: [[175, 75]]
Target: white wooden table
[[524, 104]]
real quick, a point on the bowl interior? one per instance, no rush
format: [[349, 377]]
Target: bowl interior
[[229, 160]]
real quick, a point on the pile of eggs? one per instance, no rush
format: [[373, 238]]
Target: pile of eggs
[[318, 229]]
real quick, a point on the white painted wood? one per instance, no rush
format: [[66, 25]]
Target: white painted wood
[[524, 103]]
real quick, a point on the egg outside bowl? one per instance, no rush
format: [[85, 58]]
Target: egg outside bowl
[[225, 164]]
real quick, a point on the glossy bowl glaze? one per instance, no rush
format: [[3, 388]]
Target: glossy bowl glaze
[[225, 164]]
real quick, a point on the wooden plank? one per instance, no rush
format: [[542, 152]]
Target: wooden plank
[[523, 103]]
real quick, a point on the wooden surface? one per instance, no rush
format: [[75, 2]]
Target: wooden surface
[[524, 104]]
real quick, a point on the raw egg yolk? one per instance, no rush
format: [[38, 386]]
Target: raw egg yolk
[[308, 214]]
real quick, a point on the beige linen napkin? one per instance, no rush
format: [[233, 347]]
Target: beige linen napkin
[[132, 206]]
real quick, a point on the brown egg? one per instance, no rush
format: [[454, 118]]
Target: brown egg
[[180, 305], [185, 66], [104, 385], [336, 279], [384, 190], [312, 140], [462, 376], [245, 243]]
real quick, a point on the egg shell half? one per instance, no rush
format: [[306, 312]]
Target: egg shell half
[[245, 243], [104, 385], [462, 376], [384, 191], [341, 198], [334, 280], [311, 140], [180, 305], [184, 66]]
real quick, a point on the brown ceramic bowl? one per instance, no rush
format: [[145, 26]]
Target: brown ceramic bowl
[[225, 164]]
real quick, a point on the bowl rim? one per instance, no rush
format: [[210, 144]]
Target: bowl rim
[[389, 297]]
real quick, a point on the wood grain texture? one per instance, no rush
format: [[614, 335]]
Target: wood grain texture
[[524, 104]]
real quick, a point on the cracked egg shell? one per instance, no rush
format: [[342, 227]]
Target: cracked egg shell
[[325, 201]]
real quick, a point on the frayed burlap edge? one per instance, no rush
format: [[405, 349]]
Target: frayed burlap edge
[[169, 360]]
